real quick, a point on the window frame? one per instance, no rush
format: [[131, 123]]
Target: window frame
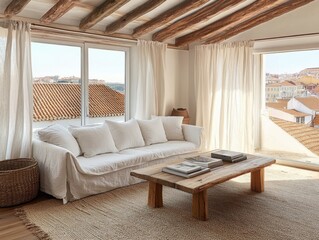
[[126, 50], [84, 46]]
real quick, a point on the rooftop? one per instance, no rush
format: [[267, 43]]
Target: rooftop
[[295, 113], [277, 105], [287, 83], [307, 136], [311, 102], [53, 101]]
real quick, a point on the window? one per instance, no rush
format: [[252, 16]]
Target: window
[[78, 84], [298, 119], [106, 75], [56, 84], [297, 74]]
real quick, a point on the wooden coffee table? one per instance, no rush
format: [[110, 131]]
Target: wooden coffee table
[[198, 186]]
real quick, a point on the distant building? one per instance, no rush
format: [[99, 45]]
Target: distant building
[[313, 72], [308, 105], [284, 90], [279, 110], [315, 90]]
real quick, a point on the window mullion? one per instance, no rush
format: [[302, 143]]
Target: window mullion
[[85, 85]]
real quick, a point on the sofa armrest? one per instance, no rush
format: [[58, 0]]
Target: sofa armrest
[[193, 134], [52, 161]]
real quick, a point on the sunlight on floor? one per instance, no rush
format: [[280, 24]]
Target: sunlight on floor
[[281, 173]]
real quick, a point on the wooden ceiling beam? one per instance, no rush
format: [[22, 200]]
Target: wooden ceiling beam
[[100, 12], [132, 15], [58, 10], [241, 15], [200, 15], [168, 16], [15, 6], [262, 18]]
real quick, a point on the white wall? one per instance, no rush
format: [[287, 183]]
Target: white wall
[[281, 115], [177, 78], [303, 20], [276, 139], [308, 119], [294, 104]]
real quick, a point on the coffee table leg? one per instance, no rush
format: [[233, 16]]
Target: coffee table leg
[[155, 195], [200, 205], [257, 180]]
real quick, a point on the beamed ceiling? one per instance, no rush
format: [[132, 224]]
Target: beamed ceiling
[[178, 22]]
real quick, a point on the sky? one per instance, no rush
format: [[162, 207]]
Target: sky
[[109, 65], [65, 61], [291, 62]]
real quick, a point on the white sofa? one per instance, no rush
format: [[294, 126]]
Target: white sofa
[[69, 177]]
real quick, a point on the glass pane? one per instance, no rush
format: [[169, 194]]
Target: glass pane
[[106, 85], [56, 84], [292, 103]]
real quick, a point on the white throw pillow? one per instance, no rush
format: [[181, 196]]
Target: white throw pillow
[[172, 126], [94, 140], [60, 136], [126, 134], [152, 131]]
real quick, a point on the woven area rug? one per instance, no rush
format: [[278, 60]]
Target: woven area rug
[[288, 209]]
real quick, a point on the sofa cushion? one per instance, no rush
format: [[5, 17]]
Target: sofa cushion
[[172, 126], [152, 131], [126, 134], [94, 140], [105, 163], [59, 136]]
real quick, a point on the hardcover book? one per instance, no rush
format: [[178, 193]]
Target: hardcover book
[[190, 175], [226, 155], [234, 160], [184, 167], [205, 161]]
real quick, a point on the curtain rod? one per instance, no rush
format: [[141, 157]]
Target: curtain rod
[[36, 24], [94, 35], [289, 36], [85, 34]]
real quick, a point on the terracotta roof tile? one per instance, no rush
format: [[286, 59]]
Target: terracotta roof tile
[[287, 83], [316, 120], [295, 113], [306, 135], [277, 105], [53, 101], [310, 102]]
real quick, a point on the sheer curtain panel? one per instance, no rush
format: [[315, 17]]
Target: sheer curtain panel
[[228, 92], [151, 79], [15, 90]]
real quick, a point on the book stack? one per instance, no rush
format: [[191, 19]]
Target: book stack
[[228, 156], [205, 161], [185, 169]]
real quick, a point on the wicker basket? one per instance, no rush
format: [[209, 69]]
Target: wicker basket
[[19, 181]]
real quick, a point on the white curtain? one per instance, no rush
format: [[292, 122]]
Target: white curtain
[[228, 92], [151, 79], [15, 90]]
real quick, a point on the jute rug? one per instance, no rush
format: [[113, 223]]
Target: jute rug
[[288, 209]]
